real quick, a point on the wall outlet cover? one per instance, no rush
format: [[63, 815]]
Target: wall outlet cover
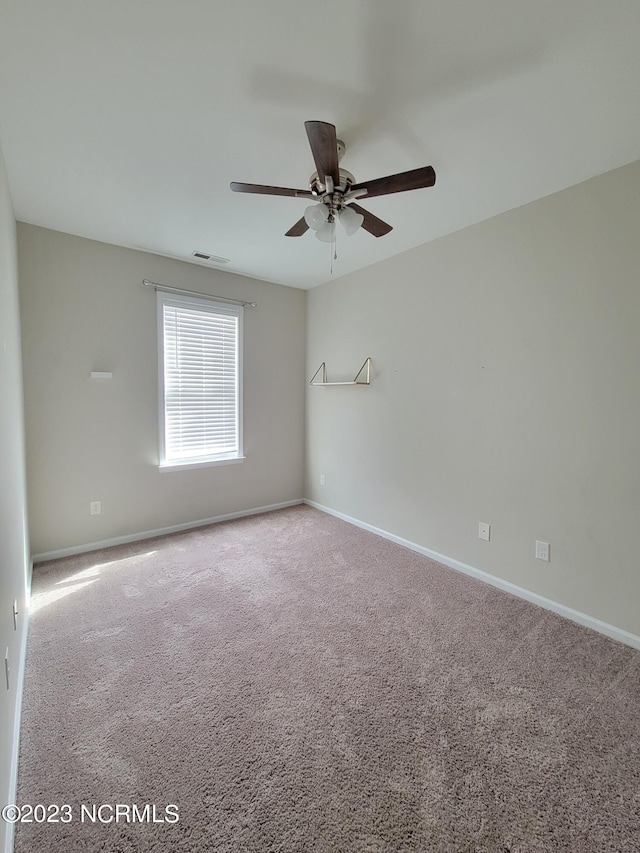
[[543, 550]]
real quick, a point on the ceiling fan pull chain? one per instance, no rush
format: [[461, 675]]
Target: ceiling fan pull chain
[[334, 246]]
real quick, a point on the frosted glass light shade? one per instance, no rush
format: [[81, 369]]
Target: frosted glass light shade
[[325, 234], [316, 215], [351, 220]]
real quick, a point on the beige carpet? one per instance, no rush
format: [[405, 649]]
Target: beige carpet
[[291, 683]]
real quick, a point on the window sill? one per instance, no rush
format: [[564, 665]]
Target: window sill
[[206, 463]]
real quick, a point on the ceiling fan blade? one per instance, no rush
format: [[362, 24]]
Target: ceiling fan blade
[[298, 229], [259, 189], [324, 147], [371, 223], [416, 179]]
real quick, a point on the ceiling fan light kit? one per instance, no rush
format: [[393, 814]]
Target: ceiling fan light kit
[[335, 190], [327, 233], [316, 215], [350, 220], [321, 218]]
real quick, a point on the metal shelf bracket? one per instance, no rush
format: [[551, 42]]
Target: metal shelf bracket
[[357, 380]]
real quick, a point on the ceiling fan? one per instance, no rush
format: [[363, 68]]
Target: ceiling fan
[[335, 190]]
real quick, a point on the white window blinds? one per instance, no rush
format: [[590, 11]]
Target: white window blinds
[[200, 374]]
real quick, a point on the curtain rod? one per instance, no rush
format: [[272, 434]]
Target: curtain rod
[[169, 289]]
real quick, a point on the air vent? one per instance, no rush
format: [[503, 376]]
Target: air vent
[[212, 259]]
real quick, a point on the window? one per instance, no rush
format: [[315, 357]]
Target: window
[[200, 350]]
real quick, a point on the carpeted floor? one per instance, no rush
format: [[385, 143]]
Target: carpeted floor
[[292, 683]]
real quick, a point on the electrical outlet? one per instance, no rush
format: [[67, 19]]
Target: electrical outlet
[[95, 507], [322, 479], [484, 531], [543, 551]]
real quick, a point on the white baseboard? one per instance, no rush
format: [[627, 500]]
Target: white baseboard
[[612, 631], [15, 748], [149, 534]]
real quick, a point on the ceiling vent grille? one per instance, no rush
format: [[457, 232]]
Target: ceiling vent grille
[[212, 259]]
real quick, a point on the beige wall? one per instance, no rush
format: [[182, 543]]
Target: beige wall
[[13, 528], [84, 309], [505, 389]]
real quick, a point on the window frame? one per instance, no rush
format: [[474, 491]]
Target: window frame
[[214, 307]]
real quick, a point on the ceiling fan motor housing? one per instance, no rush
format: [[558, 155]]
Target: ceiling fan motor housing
[[319, 189]]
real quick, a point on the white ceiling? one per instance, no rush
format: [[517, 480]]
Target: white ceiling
[[125, 121]]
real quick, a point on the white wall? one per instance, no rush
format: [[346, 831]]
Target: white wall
[[84, 309], [505, 389], [13, 526]]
